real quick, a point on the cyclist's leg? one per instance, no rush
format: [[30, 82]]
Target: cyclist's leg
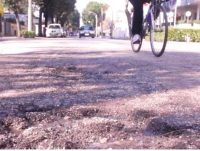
[[137, 21], [137, 16]]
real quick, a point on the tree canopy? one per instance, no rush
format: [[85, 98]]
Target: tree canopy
[[96, 8], [73, 20], [56, 11], [59, 11]]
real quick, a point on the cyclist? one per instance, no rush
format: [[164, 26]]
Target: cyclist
[[137, 18], [138, 15]]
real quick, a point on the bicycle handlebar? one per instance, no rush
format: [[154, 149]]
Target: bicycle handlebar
[[159, 1]]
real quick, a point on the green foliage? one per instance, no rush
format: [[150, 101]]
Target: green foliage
[[58, 9], [62, 8], [31, 34], [19, 6], [73, 20], [176, 34], [196, 21], [96, 8], [27, 34], [189, 22]]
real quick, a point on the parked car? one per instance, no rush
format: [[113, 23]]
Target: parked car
[[86, 31], [54, 30]]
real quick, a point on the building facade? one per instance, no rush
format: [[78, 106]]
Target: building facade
[[192, 6], [120, 30]]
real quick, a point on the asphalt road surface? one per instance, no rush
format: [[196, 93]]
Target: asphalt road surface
[[95, 81]]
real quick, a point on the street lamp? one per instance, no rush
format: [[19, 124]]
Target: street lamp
[[90, 12], [29, 15]]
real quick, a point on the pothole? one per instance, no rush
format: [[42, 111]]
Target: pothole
[[82, 112], [37, 117], [88, 112], [143, 114], [158, 126]]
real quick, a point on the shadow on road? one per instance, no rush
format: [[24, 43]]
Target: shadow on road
[[42, 81]]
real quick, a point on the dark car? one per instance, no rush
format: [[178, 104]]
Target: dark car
[[86, 31], [72, 34]]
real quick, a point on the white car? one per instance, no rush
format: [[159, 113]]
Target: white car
[[54, 30]]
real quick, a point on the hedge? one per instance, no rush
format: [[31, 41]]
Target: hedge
[[27, 34], [189, 21], [177, 34]]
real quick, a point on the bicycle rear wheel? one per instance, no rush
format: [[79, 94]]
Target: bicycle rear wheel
[[158, 30]]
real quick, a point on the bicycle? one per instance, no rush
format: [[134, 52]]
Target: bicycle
[[154, 28]]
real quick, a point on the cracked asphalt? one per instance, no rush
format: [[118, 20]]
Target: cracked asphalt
[[96, 93]]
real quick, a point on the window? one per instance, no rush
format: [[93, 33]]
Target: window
[[54, 27], [86, 28]]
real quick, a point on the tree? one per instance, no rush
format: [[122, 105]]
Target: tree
[[96, 8], [73, 20], [17, 6], [41, 4], [63, 9], [57, 10]]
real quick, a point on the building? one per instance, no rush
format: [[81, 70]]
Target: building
[[117, 15], [10, 29], [192, 6], [187, 14]]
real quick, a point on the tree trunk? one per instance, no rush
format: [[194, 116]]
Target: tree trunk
[[18, 24], [57, 20], [46, 22], [62, 23], [40, 23], [46, 18], [52, 19]]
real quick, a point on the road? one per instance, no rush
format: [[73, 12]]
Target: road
[[95, 81]]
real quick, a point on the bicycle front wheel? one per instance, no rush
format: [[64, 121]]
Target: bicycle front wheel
[[158, 30]]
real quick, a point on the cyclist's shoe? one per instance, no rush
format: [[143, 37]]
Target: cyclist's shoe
[[136, 39]]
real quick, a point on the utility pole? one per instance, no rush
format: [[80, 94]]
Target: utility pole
[[96, 20], [175, 12], [101, 22], [111, 32], [29, 15]]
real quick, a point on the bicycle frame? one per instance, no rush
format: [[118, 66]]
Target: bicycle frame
[[149, 16], [153, 24]]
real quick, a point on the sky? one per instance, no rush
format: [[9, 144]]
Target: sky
[[81, 4], [114, 5]]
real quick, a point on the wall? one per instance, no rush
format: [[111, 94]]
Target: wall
[[13, 29], [2, 29]]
